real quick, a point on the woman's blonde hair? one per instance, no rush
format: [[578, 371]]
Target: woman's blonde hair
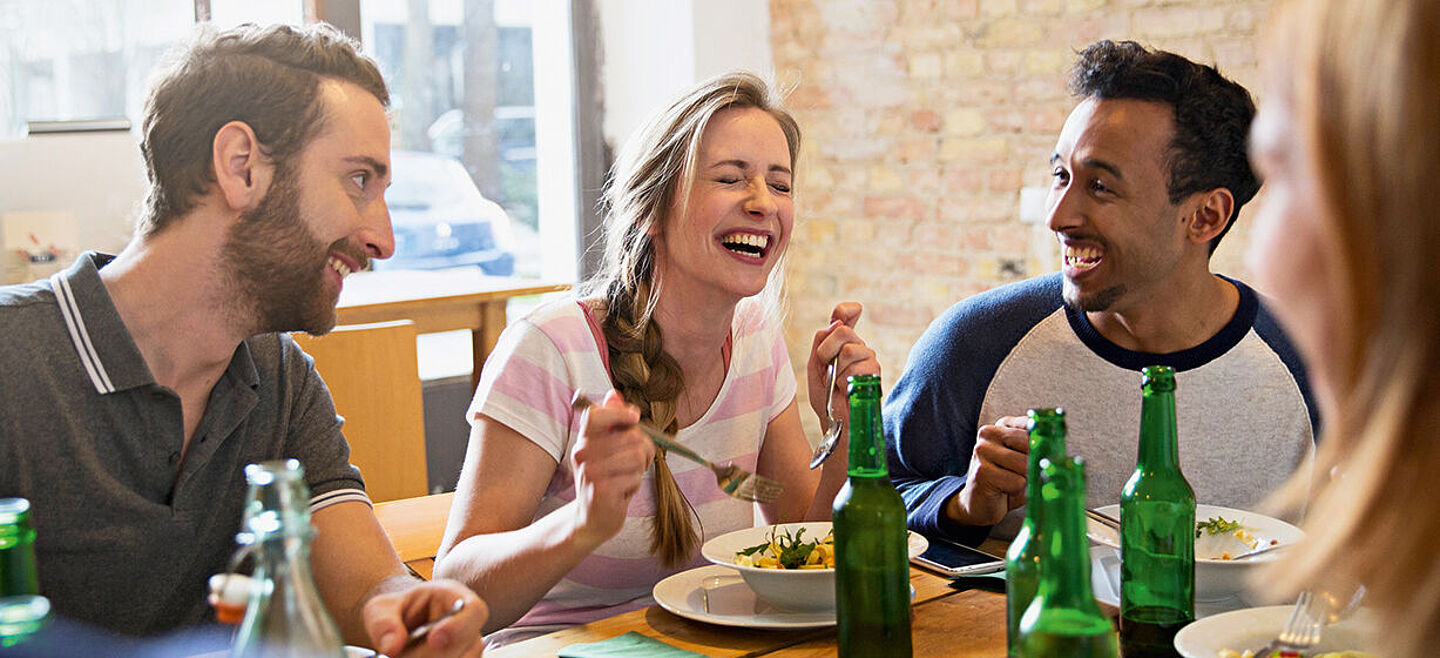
[[654, 171], [1362, 80]]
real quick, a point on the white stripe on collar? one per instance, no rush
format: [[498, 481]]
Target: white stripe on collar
[[78, 335]]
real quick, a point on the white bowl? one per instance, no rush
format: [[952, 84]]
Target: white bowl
[[1216, 579], [791, 589]]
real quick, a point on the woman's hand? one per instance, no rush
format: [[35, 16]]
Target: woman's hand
[[855, 358], [609, 460]]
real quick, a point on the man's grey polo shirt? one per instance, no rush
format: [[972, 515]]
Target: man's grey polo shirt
[[126, 534]]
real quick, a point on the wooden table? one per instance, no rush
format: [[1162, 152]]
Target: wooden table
[[438, 300], [416, 526], [946, 622]]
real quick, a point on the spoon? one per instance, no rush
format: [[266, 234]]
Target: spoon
[[834, 428]]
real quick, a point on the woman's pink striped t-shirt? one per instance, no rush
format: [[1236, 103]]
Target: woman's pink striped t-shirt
[[527, 384]]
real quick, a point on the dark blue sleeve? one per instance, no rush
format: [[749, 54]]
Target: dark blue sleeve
[[932, 414], [1270, 331]]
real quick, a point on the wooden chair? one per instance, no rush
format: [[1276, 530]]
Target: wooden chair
[[373, 376]]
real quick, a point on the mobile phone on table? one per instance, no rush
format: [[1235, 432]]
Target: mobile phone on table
[[952, 559]]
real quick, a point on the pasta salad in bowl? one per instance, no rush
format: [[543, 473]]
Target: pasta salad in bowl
[[789, 565]]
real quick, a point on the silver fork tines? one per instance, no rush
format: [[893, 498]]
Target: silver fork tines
[[1302, 630], [733, 480]]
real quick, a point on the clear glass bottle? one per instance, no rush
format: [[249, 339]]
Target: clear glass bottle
[[872, 566], [285, 617], [1063, 619], [1157, 530], [1022, 559]]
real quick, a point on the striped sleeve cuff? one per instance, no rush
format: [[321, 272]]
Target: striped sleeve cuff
[[329, 498]]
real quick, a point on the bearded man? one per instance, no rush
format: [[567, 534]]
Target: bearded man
[[135, 388]]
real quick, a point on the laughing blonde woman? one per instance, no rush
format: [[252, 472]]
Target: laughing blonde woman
[[562, 518]]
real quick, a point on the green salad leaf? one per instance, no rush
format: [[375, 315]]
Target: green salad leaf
[[1216, 525], [793, 548]]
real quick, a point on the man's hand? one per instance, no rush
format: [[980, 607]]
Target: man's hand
[[995, 483], [390, 617]]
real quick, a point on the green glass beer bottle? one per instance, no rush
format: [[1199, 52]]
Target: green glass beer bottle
[[1022, 560], [872, 571], [23, 612], [1063, 619], [1157, 530], [17, 549], [285, 616]]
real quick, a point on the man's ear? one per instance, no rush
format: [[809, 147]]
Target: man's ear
[[1212, 215], [242, 172]]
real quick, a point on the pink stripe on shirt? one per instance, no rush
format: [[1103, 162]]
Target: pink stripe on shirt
[[603, 572], [751, 394], [547, 612], [537, 389]]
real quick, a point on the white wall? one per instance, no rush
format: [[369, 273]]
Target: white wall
[[655, 49], [99, 177]]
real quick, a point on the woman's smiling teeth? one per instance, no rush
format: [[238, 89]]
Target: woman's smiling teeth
[[1082, 258], [748, 244], [339, 266]]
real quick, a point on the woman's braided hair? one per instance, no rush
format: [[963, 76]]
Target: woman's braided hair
[[655, 169]]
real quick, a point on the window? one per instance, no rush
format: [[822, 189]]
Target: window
[[485, 83], [82, 59], [463, 86]]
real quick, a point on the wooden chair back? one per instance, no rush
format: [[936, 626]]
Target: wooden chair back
[[373, 375]]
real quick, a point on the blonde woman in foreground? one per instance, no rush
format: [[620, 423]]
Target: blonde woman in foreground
[[1348, 142], [560, 516]]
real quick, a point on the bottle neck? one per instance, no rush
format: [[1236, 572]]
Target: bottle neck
[[867, 432], [1159, 446], [291, 549], [1047, 441], [1065, 556], [286, 608]]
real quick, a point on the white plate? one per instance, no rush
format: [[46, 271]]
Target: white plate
[[1251, 628], [1105, 581], [1264, 527], [1219, 584], [718, 595]]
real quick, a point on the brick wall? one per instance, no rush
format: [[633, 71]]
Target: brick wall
[[923, 119]]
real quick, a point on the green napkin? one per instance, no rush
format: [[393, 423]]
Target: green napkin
[[632, 645]]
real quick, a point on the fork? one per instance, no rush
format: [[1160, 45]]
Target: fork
[[833, 427], [1103, 518], [731, 479], [1302, 631]]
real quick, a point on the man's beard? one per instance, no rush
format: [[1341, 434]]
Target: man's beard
[[277, 267], [1100, 301]]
